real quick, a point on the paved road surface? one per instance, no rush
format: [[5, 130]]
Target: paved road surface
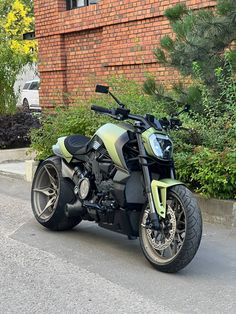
[[91, 270]]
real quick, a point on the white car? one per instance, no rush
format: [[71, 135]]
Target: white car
[[30, 95]]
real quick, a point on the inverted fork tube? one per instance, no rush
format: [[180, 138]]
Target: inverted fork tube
[[147, 180]]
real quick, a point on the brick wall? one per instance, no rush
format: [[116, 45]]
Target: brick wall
[[81, 47]]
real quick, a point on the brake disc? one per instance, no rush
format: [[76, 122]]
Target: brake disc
[[160, 240]]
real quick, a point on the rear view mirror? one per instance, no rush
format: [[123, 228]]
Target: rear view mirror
[[102, 89]]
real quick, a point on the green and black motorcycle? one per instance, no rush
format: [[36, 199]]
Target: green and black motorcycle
[[123, 178]]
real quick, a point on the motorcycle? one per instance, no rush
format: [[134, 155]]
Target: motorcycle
[[123, 178]]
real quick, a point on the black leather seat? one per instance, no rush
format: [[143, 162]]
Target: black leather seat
[[76, 144]]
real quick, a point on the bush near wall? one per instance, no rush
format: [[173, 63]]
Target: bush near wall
[[63, 122], [15, 129], [205, 153], [80, 119], [203, 51], [209, 172]]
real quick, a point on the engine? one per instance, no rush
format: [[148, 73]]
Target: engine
[[94, 186]]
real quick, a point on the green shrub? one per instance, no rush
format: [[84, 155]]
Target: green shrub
[[209, 172], [63, 122], [203, 53], [132, 96], [209, 147], [81, 120], [205, 153]]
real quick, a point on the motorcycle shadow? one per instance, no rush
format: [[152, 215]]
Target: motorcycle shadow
[[211, 261], [96, 237], [215, 258]]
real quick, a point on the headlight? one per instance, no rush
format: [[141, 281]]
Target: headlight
[[162, 146]]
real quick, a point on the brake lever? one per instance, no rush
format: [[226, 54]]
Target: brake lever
[[119, 118]]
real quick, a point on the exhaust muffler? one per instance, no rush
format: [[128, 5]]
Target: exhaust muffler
[[75, 210]]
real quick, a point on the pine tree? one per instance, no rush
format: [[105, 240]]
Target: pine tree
[[204, 41]]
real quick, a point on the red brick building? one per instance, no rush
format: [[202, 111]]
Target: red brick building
[[82, 46]]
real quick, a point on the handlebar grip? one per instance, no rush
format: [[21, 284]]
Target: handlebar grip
[[100, 109]]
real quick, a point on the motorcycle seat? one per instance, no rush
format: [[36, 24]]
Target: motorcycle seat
[[76, 144]]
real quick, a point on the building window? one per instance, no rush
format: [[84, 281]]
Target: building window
[[73, 4]]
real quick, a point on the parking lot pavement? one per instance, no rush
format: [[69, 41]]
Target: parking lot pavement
[[91, 270], [33, 280]]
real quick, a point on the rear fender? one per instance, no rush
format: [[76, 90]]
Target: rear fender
[[60, 150], [159, 193]]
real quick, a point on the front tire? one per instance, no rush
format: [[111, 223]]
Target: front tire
[[49, 195], [174, 246]]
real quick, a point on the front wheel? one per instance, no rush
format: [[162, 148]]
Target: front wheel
[[173, 246]]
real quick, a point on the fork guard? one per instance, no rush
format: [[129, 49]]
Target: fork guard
[[159, 193]]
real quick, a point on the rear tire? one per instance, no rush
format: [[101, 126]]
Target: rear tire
[[49, 195], [174, 246], [25, 106]]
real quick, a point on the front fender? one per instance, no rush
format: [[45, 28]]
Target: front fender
[[159, 193]]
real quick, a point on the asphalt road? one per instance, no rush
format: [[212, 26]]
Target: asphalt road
[[91, 270]]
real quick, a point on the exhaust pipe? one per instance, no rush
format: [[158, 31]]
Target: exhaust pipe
[[75, 210]]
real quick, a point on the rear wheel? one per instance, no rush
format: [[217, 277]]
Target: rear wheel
[[176, 243], [26, 105], [50, 193]]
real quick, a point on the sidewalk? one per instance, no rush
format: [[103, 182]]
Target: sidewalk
[[14, 169]]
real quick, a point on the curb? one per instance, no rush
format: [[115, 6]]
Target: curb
[[30, 168], [16, 154], [12, 175], [217, 211]]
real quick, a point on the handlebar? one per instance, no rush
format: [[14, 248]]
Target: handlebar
[[101, 109], [123, 114]]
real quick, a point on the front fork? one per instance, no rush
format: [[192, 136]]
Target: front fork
[[147, 181]]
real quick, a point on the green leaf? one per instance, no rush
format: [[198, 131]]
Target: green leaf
[[167, 43], [176, 12], [160, 55]]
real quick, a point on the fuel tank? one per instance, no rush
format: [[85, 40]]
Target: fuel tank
[[114, 138]]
